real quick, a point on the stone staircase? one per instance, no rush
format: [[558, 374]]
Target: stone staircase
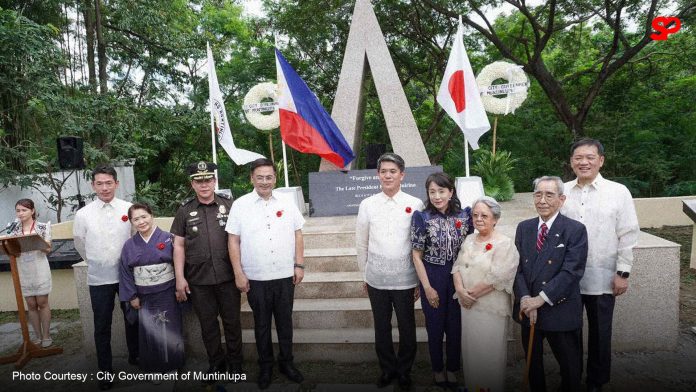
[[332, 317]]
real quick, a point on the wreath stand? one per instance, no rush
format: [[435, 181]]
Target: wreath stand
[[13, 246]]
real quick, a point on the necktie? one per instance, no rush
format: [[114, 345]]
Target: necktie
[[542, 236]]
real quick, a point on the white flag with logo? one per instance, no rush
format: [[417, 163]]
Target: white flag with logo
[[459, 93], [222, 127]]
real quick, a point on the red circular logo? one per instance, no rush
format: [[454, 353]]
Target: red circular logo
[[124, 218], [279, 214], [408, 210], [489, 246]]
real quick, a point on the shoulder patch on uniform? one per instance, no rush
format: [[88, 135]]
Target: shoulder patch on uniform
[[224, 195], [183, 203]]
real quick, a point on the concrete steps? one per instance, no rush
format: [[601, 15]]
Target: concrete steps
[[331, 313], [331, 260], [335, 344]]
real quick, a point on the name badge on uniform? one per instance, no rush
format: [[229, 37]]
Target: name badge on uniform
[[193, 213]]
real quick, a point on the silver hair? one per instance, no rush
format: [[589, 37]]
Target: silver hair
[[555, 179], [491, 203]]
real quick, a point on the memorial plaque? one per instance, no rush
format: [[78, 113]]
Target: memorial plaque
[[334, 193]]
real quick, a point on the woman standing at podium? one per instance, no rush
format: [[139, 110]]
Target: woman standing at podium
[[34, 272], [147, 282]]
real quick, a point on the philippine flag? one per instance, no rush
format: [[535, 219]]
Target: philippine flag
[[304, 124], [459, 94]]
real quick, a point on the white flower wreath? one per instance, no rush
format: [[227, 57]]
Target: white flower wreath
[[514, 75], [255, 96]]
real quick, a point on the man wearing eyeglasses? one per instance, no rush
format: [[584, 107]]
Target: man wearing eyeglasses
[[606, 208], [267, 253], [553, 252], [203, 270]]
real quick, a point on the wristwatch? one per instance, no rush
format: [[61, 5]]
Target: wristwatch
[[300, 266], [623, 274]]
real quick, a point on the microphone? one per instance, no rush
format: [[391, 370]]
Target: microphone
[[11, 226]]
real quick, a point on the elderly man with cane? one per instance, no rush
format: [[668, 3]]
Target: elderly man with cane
[[553, 253]]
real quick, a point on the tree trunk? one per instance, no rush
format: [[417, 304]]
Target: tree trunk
[[101, 47], [88, 13]]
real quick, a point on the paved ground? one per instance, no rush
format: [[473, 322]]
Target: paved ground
[[637, 371]]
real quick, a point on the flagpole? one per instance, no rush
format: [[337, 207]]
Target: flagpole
[[466, 155], [285, 155], [212, 133]]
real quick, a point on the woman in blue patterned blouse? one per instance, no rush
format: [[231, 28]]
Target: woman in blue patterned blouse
[[437, 233]]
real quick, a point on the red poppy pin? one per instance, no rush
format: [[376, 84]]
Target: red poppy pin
[[160, 246], [124, 218], [458, 224], [408, 210], [489, 246], [279, 213]]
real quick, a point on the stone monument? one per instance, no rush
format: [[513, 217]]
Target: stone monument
[[366, 50]]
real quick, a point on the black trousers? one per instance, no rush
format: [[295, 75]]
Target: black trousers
[[208, 302], [401, 302], [600, 314], [272, 299], [566, 347], [102, 298]]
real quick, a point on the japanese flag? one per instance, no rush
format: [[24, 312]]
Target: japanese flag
[[459, 93]]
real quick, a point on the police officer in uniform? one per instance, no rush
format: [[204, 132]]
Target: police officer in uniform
[[203, 269]]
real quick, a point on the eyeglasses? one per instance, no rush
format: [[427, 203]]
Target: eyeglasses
[[547, 195]]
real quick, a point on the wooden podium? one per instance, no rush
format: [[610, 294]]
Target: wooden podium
[[13, 246]]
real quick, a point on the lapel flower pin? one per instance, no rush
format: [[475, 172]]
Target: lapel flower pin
[[160, 246], [408, 210], [124, 218], [279, 213], [489, 246], [458, 224]]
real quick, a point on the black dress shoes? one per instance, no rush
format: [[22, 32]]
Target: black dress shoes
[[384, 380], [265, 375], [594, 388], [291, 372], [221, 367], [405, 382], [105, 385]]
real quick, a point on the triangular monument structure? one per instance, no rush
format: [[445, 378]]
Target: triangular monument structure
[[367, 50]]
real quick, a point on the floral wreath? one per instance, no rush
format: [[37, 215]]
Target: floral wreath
[[507, 71], [262, 121]]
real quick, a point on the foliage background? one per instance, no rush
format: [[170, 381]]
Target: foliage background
[[150, 101]]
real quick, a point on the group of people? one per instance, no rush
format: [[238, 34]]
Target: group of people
[[576, 253]]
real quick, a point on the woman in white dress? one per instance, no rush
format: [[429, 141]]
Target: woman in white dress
[[35, 273], [483, 276]]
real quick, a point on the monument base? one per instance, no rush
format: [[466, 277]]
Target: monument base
[[295, 195], [335, 193], [469, 189]]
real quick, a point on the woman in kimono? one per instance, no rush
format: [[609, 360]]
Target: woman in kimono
[[34, 272], [147, 283], [437, 233]]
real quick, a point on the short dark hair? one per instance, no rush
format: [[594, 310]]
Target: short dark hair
[[27, 203], [139, 206], [261, 162], [391, 157], [586, 141], [104, 169], [454, 206]]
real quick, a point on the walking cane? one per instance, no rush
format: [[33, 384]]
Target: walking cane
[[525, 381]]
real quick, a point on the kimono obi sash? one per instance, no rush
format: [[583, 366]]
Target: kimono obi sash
[[153, 274]]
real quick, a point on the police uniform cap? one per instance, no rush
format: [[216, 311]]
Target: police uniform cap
[[201, 170]]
